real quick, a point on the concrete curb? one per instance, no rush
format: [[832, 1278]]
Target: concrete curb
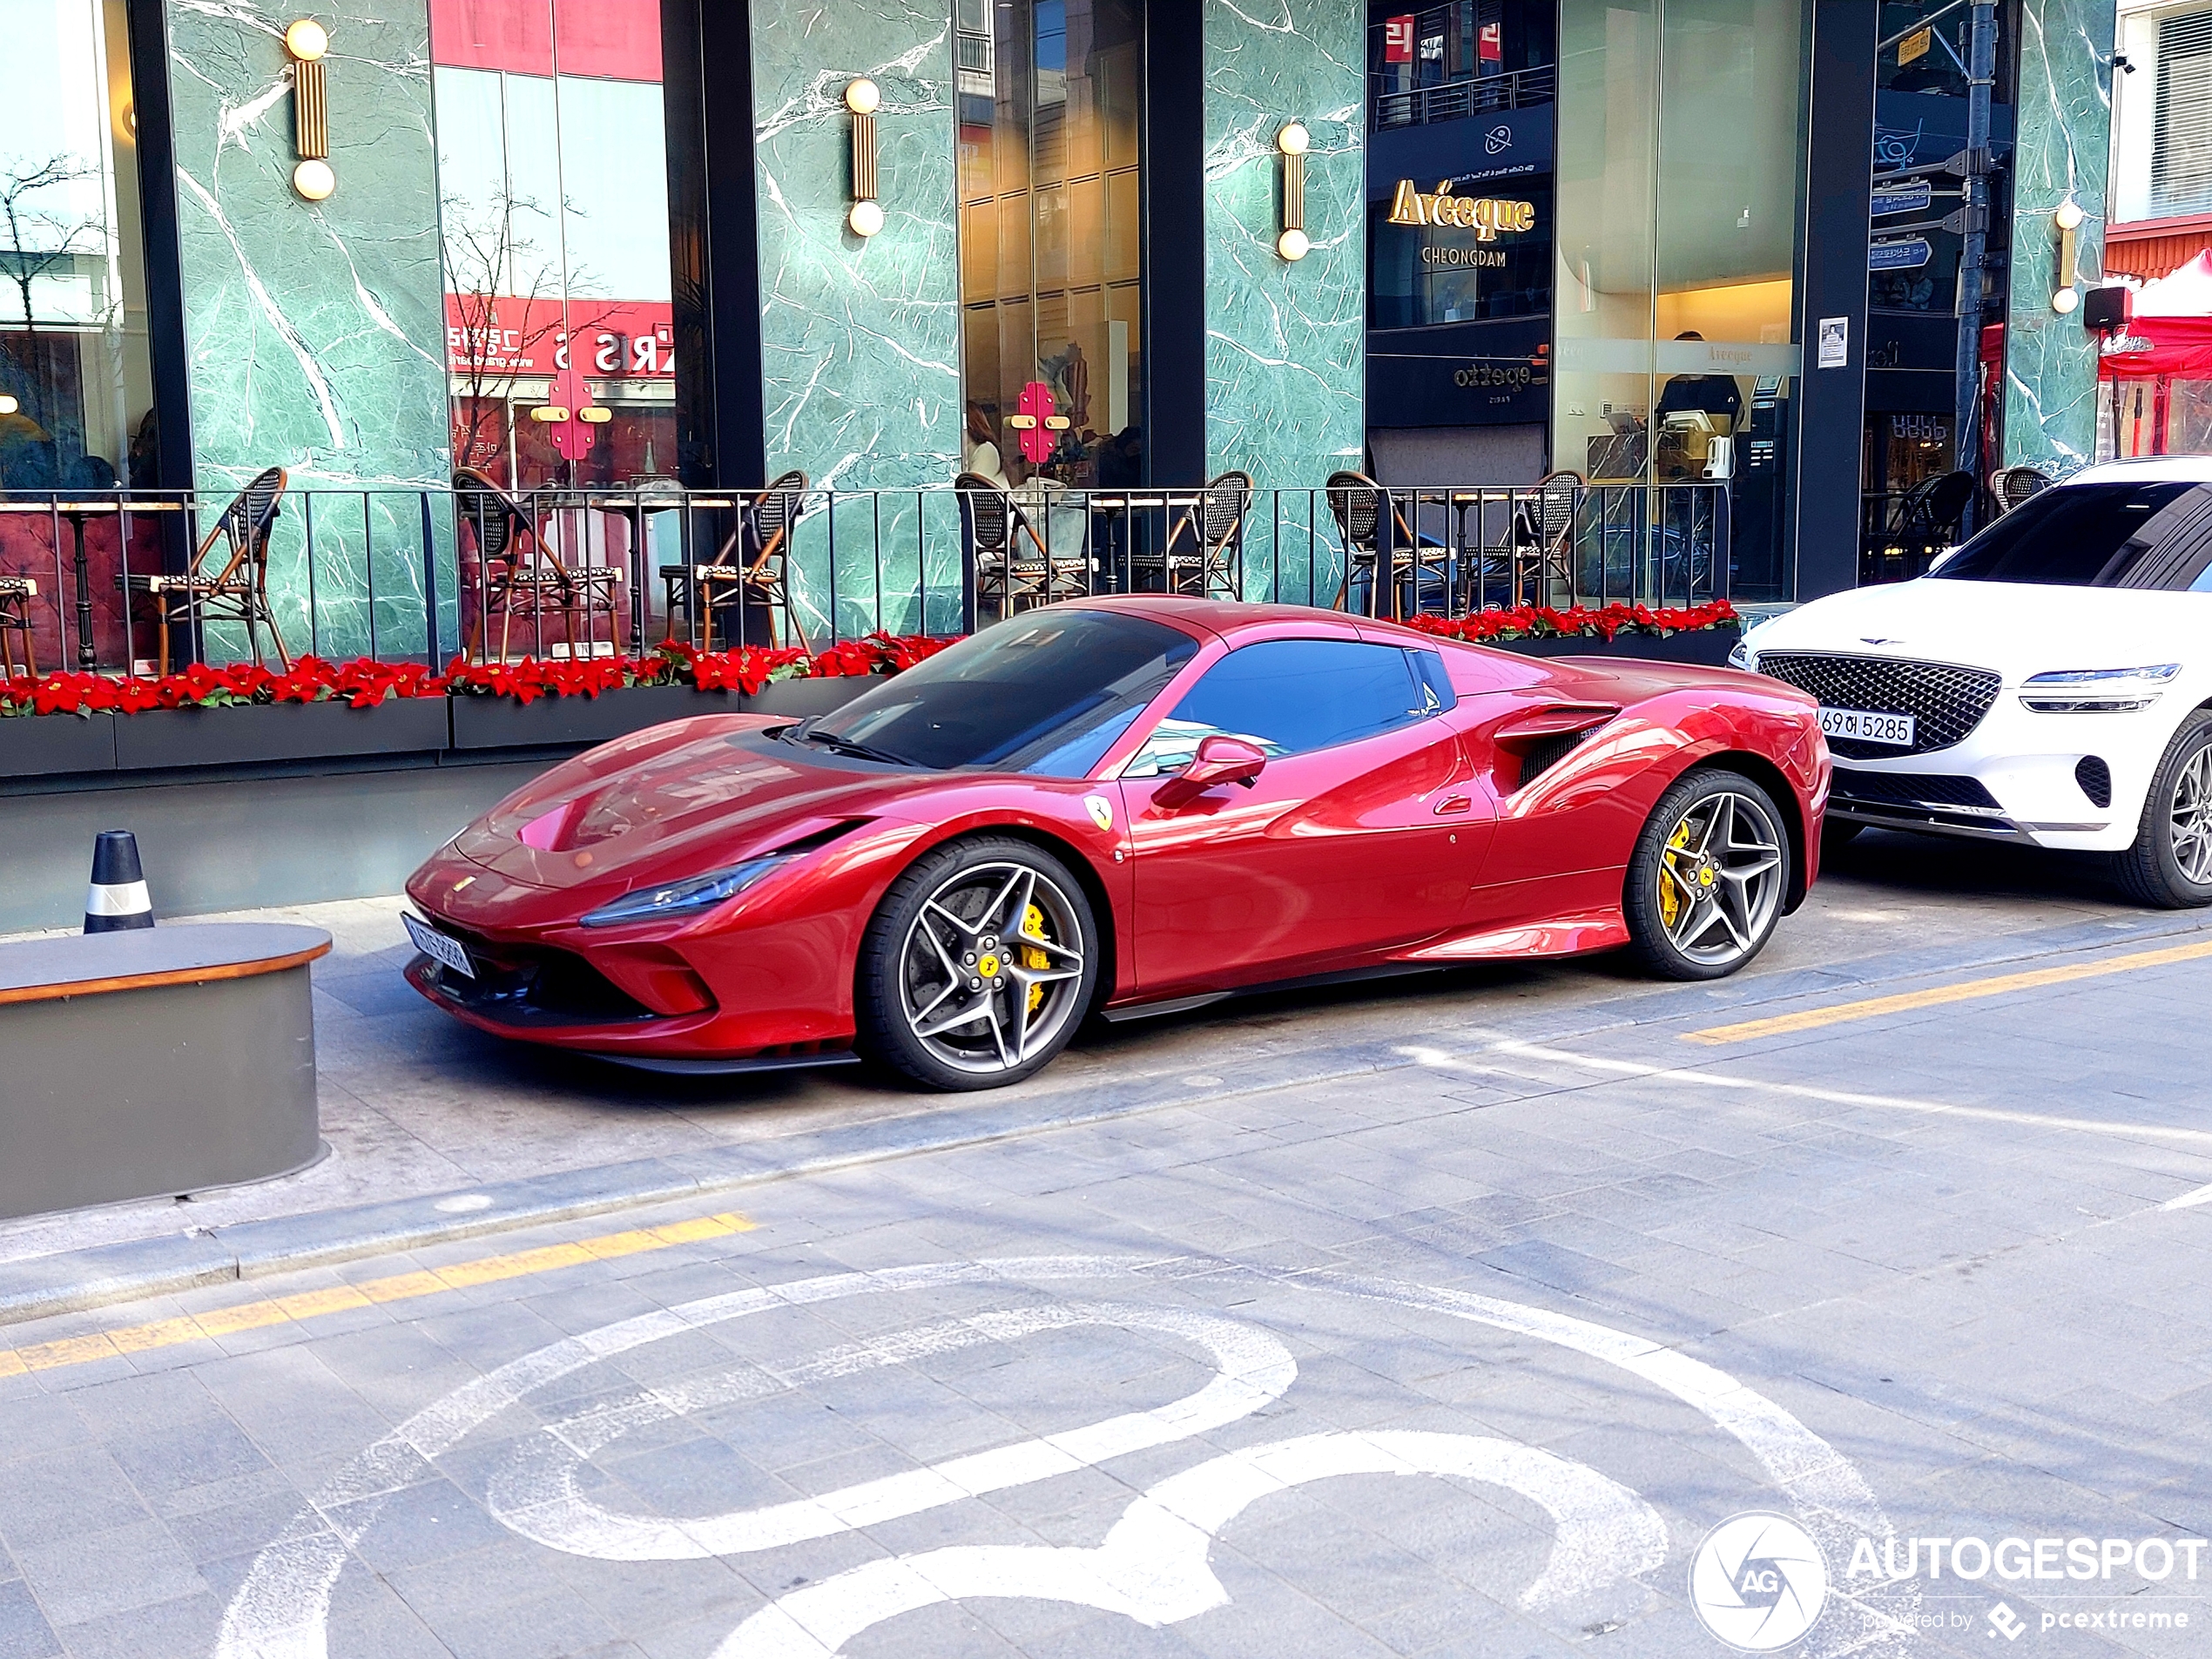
[[73, 1281]]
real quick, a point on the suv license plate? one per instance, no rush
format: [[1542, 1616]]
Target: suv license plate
[[438, 948], [1868, 726]]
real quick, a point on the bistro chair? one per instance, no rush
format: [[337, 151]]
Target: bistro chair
[[752, 567], [16, 593], [237, 591], [1206, 543], [2011, 486], [518, 575], [1013, 566], [1541, 544], [1421, 562], [1924, 523]]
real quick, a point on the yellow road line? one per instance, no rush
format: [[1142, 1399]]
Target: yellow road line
[[1967, 991], [400, 1287]]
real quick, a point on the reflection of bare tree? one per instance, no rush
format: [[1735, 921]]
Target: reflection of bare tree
[[37, 242], [490, 257]]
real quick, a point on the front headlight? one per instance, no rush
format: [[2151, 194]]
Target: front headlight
[[1739, 655], [687, 898], [2096, 690]]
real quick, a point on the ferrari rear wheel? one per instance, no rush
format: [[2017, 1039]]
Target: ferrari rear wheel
[[978, 965], [1706, 882]]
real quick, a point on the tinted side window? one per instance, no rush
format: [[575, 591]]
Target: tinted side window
[[1291, 697]]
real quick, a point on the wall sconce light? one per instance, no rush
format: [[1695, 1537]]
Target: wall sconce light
[[1292, 141], [865, 218], [307, 41], [2067, 218], [8, 404]]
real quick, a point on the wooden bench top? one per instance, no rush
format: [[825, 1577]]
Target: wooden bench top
[[43, 970]]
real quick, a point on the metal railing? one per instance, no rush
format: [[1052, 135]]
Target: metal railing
[[1393, 106], [424, 575]]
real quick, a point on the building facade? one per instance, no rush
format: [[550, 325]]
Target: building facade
[[1626, 238]]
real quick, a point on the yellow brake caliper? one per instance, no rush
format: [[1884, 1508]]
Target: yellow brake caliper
[[1032, 958], [1670, 892]]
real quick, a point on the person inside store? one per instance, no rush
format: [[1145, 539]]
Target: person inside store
[[1715, 395], [983, 458], [1684, 445]]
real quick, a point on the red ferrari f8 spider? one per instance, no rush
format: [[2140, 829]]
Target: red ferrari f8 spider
[[1118, 806]]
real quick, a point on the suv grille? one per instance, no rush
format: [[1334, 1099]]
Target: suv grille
[[1946, 703]]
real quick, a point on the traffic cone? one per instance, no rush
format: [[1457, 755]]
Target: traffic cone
[[117, 897]]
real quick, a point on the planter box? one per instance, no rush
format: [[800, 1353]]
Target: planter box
[[502, 723], [248, 734], [1706, 647], [39, 745]]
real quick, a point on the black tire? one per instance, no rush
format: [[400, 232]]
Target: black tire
[[2155, 870], [1029, 987], [1836, 834], [1672, 873]]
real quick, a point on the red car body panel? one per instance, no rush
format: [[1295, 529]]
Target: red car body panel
[[1422, 846]]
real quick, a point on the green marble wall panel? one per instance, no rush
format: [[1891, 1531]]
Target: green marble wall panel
[[2064, 124], [1286, 343], [859, 337], [316, 332]]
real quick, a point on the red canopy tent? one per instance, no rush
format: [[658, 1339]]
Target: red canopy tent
[[2160, 370]]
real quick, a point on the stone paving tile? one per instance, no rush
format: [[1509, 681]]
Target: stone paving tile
[[1993, 1322]]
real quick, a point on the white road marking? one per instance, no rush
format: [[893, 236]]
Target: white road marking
[[1443, 1059], [282, 1609], [539, 1496], [1153, 1566]]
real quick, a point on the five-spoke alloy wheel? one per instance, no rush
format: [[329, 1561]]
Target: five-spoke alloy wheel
[[2170, 863], [1706, 882], [978, 965]]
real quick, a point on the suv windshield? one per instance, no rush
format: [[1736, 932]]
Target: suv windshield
[[1047, 693], [2082, 536]]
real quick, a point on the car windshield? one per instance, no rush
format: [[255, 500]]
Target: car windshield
[[1046, 693], [2082, 536]]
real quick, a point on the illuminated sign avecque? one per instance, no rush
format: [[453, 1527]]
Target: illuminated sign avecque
[[1485, 215]]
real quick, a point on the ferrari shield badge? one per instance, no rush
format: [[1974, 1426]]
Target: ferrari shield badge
[[1102, 811]]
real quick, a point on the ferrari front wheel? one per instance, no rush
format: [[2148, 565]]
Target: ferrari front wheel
[[978, 965], [1706, 882]]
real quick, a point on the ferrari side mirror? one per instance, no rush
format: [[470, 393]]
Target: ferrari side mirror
[[1223, 759]]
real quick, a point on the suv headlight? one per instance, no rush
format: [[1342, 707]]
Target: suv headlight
[[1739, 655], [2096, 690], [689, 897]]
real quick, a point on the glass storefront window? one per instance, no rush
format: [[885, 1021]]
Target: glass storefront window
[[76, 389], [1674, 321], [553, 176], [1049, 200]]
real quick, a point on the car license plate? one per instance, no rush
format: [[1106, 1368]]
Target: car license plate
[[1868, 726], [438, 948]]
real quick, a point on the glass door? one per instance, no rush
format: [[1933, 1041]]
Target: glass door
[[1050, 190]]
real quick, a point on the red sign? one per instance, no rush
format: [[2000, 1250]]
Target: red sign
[[492, 337], [1397, 39], [1491, 40], [609, 39], [1037, 437]]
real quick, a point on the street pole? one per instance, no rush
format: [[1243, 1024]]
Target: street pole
[[1981, 61]]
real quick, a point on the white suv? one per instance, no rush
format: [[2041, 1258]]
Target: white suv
[[2047, 682]]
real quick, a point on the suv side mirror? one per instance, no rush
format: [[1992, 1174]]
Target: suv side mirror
[[1223, 759]]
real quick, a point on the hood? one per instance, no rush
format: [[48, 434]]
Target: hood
[[694, 795], [2018, 628]]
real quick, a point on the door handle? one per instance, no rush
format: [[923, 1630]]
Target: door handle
[[1451, 804]]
